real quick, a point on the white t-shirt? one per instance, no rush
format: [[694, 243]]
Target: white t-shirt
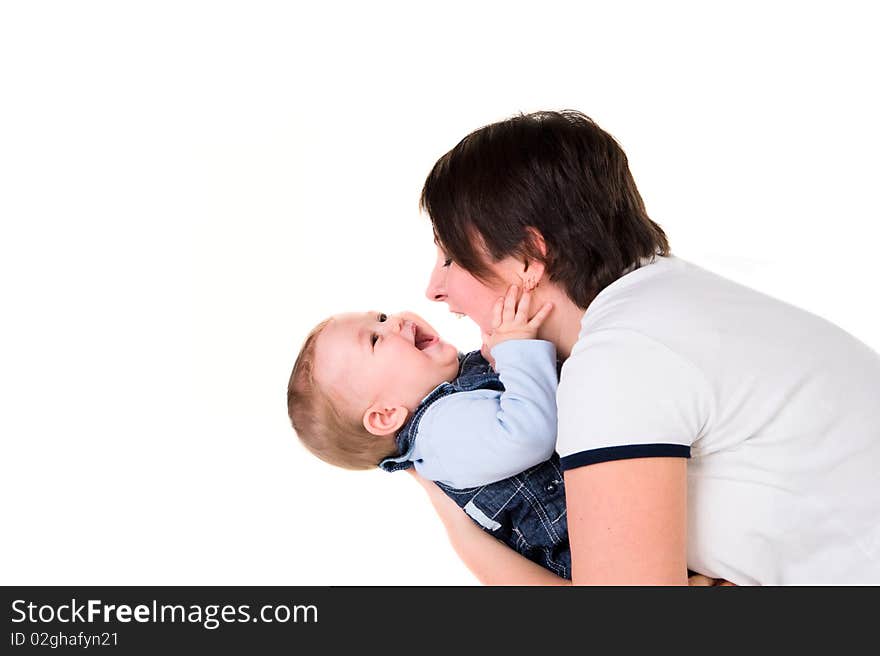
[[778, 409]]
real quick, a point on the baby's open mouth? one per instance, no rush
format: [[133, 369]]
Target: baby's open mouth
[[423, 340]]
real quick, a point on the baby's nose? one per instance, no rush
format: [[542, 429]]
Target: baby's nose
[[395, 323]]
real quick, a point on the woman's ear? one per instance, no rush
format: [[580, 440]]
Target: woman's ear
[[536, 241], [533, 270], [381, 421]]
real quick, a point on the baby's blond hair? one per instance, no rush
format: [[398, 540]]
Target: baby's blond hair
[[325, 426]]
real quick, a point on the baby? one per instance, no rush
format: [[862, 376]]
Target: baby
[[373, 389]]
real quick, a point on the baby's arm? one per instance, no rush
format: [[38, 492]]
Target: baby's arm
[[510, 320], [475, 438]]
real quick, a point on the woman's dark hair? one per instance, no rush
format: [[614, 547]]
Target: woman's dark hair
[[557, 172]]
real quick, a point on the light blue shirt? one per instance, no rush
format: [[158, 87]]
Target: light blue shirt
[[468, 439]]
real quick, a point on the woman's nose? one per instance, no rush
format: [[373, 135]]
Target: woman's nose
[[436, 290]]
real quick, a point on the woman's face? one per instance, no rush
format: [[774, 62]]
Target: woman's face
[[463, 293]]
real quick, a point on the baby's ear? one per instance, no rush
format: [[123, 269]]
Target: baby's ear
[[382, 421]]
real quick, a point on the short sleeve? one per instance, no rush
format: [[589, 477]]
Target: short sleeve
[[624, 395]]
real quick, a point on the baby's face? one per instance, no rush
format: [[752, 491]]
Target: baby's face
[[371, 357]]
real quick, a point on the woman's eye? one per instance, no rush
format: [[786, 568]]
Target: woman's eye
[[447, 261], [382, 317]]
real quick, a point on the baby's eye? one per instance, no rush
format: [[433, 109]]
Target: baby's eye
[[382, 317]]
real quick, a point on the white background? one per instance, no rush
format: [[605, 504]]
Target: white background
[[186, 188]]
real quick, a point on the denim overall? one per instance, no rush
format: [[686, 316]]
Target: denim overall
[[525, 511]]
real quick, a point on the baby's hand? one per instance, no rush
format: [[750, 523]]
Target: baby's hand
[[510, 320]]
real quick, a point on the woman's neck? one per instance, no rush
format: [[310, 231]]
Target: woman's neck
[[563, 325]]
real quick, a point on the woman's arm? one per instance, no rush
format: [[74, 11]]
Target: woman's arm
[[627, 522], [477, 437], [490, 560]]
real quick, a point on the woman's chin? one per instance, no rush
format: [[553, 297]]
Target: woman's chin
[[483, 323]]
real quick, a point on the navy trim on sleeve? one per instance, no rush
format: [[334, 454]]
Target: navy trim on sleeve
[[606, 454]]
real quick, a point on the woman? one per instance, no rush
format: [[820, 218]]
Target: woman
[[701, 423]]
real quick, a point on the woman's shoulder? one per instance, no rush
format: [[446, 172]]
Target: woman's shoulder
[[683, 306]]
